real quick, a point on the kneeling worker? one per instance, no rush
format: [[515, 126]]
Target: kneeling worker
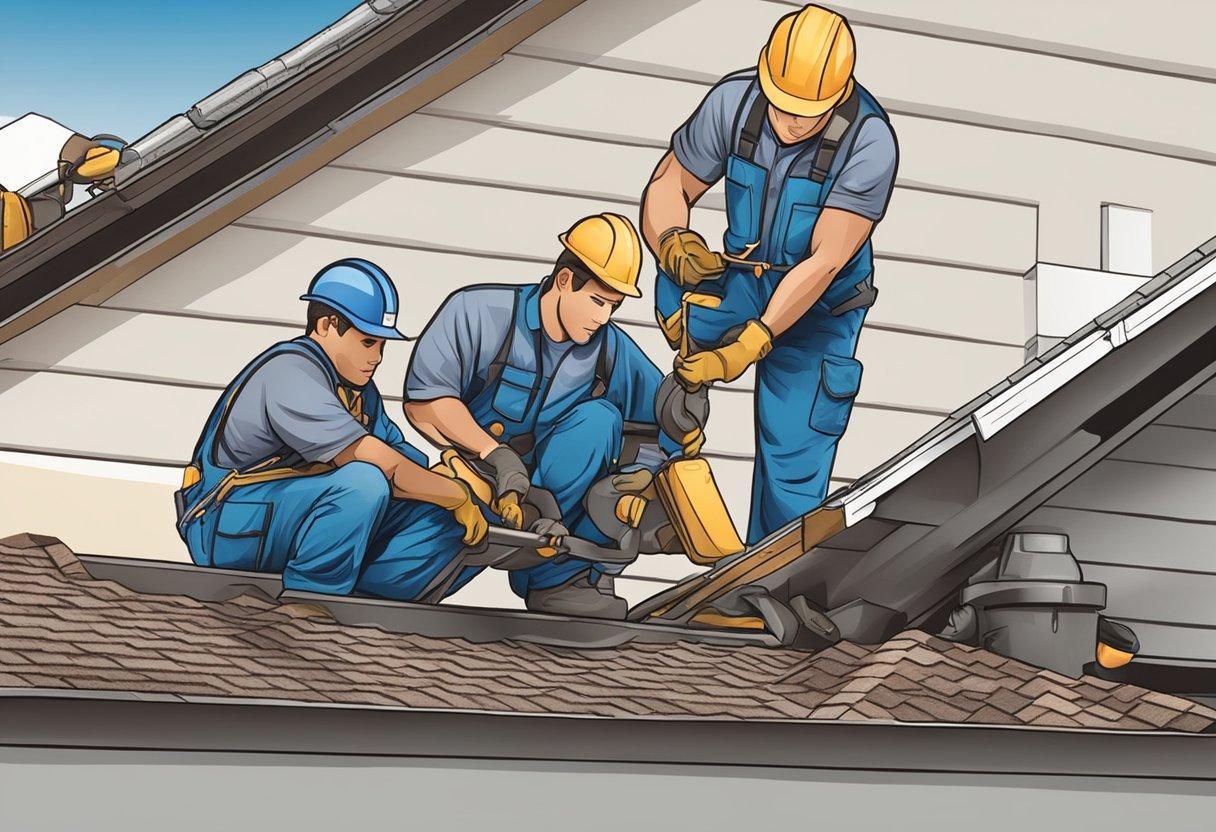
[[300, 470], [537, 383]]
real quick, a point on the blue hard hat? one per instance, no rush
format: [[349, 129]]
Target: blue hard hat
[[362, 292]]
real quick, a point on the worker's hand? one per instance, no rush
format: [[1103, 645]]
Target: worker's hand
[[510, 473], [686, 258], [509, 509], [468, 514], [728, 362]]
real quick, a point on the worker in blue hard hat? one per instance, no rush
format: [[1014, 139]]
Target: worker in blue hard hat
[[299, 470]]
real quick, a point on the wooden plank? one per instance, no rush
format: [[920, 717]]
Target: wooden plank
[[1132, 541], [910, 72], [1139, 488], [1170, 446]]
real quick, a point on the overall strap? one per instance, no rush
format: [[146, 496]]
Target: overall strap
[[833, 135], [603, 368], [753, 125], [494, 371]]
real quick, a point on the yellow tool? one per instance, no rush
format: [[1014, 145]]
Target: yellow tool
[[16, 219], [686, 486]]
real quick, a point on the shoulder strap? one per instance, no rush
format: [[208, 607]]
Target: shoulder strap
[[494, 371], [603, 369], [753, 124], [838, 126]]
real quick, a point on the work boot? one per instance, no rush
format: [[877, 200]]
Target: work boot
[[577, 597]]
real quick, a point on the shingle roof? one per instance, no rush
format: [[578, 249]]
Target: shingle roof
[[62, 629]]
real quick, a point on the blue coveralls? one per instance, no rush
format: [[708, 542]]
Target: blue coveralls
[[568, 420], [335, 532], [805, 387]]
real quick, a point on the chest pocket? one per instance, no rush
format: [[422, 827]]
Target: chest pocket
[[514, 393], [745, 183]]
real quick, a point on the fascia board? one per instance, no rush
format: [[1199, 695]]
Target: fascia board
[[1169, 300]]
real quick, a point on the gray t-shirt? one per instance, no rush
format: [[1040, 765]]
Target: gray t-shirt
[[288, 404], [863, 180], [461, 341]]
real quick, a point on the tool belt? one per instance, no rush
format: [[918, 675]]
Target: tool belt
[[254, 475]]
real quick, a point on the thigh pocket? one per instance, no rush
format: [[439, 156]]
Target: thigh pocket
[[240, 534], [514, 393], [839, 380]]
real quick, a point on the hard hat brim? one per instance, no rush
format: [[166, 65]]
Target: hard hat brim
[[790, 103], [600, 274], [366, 327]]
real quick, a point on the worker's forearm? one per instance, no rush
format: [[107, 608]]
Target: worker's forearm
[[664, 206], [447, 421], [797, 292], [411, 481]]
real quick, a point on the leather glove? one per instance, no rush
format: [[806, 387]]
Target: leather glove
[[510, 473], [729, 361], [509, 509], [686, 258], [468, 514]]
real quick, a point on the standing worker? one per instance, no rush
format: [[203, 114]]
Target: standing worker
[[809, 159], [299, 470], [536, 383]]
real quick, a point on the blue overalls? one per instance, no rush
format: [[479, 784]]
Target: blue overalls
[[566, 422], [334, 530], [805, 387]]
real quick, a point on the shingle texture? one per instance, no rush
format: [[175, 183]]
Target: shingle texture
[[59, 628]]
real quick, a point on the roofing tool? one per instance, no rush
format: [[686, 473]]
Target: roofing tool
[[686, 485]]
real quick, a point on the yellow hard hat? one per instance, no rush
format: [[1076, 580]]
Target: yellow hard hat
[[806, 68], [16, 219], [609, 247]]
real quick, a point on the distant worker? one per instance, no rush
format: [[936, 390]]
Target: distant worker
[[300, 471], [536, 383], [40, 163], [809, 160]]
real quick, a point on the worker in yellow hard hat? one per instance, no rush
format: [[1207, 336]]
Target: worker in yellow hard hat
[[536, 383], [809, 159]]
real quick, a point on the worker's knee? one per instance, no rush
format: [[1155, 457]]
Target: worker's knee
[[597, 420], [359, 483]]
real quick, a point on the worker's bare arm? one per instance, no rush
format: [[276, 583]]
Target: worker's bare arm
[[447, 422], [668, 199], [837, 236], [409, 480]]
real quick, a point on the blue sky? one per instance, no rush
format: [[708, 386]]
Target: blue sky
[[124, 66]]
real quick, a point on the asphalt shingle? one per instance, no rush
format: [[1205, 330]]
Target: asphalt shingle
[[60, 628]]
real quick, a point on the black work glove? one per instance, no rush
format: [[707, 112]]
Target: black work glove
[[510, 473]]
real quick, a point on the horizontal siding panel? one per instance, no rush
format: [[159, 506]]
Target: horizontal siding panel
[[1132, 541], [1174, 642], [1005, 87], [80, 507], [1138, 488], [1197, 410], [1170, 446], [113, 419], [1154, 595], [945, 228], [142, 345], [259, 275]]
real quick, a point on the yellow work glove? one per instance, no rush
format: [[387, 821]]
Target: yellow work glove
[[686, 258], [728, 362], [509, 509], [468, 514]]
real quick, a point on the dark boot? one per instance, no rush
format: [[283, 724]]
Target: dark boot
[[577, 597]]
